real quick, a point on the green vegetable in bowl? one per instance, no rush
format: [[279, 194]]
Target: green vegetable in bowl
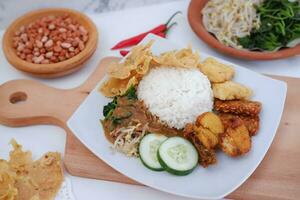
[[280, 25]]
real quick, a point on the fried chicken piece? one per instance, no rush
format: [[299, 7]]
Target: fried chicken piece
[[215, 71], [206, 156], [204, 134], [251, 122], [211, 121], [236, 140], [208, 138], [239, 107], [230, 90], [188, 131]]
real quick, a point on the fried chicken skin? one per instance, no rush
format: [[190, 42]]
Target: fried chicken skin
[[251, 122], [235, 141], [239, 107], [230, 90], [215, 71]]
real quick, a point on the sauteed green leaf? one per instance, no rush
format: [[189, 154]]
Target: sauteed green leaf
[[280, 25]]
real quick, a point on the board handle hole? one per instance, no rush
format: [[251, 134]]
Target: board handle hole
[[17, 97]]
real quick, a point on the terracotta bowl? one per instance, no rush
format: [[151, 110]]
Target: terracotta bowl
[[195, 20], [56, 69]]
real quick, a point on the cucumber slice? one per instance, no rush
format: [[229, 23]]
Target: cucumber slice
[[177, 156], [148, 150]]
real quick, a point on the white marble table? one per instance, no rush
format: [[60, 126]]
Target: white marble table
[[11, 9], [112, 27]]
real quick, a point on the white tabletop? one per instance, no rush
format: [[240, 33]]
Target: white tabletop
[[113, 27]]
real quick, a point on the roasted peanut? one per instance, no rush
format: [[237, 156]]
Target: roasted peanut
[[50, 39]]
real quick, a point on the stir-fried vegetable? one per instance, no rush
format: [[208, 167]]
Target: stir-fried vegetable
[[111, 106], [280, 25], [131, 93]]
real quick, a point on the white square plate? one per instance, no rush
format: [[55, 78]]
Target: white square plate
[[214, 182]]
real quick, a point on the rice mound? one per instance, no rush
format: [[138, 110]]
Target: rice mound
[[176, 95]]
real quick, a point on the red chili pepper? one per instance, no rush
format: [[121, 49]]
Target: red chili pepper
[[124, 52], [161, 34], [136, 39]]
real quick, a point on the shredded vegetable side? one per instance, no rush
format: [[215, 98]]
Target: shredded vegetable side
[[229, 20]]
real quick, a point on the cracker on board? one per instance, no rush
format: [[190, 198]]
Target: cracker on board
[[25, 179]]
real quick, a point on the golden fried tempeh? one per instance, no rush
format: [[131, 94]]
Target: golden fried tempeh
[[239, 107]]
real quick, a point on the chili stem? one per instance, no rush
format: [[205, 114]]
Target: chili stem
[[163, 28], [170, 19], [169, 27]]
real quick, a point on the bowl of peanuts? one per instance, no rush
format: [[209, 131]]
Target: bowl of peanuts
[[50, 42]]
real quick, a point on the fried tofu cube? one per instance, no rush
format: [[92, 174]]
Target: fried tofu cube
[[216, 71], [236, 140], [230, 90]]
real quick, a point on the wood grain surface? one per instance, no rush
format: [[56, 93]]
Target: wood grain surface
[[26, 102]]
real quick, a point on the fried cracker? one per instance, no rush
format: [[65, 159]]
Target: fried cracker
[[24, 179]]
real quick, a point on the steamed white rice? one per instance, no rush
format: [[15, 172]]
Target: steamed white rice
[[176, 95]]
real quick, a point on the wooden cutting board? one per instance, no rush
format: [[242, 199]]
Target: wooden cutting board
[[26, 102]]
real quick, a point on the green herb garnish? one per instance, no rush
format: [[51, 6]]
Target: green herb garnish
[[109, 108], [131, 93], [280, 25], [118, 119]]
